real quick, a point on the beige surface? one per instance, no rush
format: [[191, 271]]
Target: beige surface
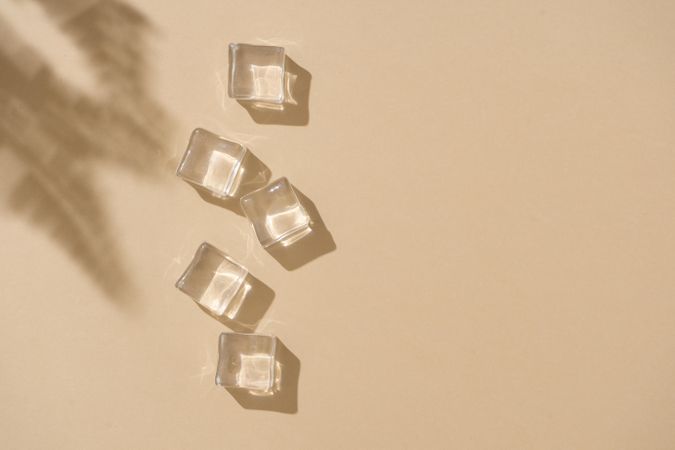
[[498, 178]]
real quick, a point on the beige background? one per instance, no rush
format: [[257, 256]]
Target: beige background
[[498, 178]]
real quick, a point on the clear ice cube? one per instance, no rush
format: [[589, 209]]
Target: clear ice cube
[[276, 214], [213, 163], [247, 361], [256, 73], [214, 281]]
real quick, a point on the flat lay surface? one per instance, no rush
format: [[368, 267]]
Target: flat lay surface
[[492, 186]]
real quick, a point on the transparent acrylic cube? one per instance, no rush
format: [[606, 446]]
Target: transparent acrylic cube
[[257, 73], [214, 281], [276, 214], [247, 361], [213, 163]]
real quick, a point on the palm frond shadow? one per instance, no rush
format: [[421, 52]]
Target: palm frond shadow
[[58, 135]]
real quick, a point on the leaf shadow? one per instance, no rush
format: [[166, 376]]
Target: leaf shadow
[[56, 135]]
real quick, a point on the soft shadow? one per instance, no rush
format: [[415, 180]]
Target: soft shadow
[[317, 243], [285, 397], [295, 111], [55, 135], [257, 299], [254, 175]]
